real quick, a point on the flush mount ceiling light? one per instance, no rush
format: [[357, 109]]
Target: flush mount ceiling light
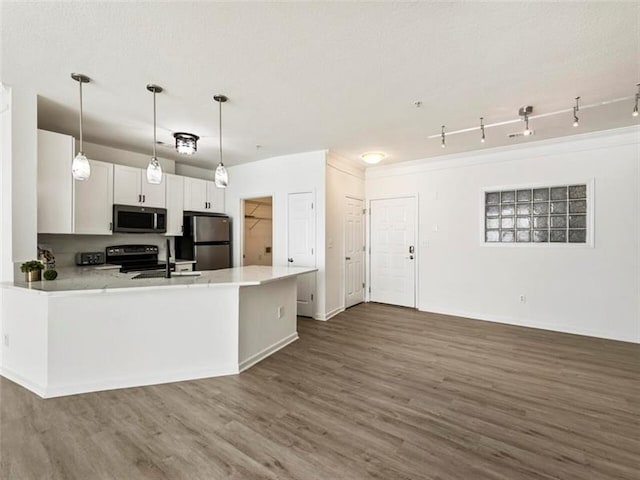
[[442, 143], [373, 157], [635, 109], [154, 170], [576, 109], [221, 177], [482, 137], [186, 143], [524, 112], [80, 168]]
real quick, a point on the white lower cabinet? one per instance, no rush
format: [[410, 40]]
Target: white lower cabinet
[[93, 200], [175, 203]]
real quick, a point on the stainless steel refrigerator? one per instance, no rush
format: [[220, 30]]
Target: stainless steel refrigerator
[[206, 239]]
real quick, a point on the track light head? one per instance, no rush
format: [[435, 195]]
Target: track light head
[[482, 137], [576, 109], [442, 144], [635, 108], [524, 112]]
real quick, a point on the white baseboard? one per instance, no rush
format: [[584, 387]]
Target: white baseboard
[[555, 327], [270, 350], [23, 382], [52, 391], [326, 316]]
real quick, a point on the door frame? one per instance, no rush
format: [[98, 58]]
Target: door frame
[[241, 199], [344, 249], [416, 271]]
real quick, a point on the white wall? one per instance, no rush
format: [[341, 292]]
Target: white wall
[[24, 173], [578, 289], [343, 180], [277, 177], [6, 216], [195, 172], [18, 179]]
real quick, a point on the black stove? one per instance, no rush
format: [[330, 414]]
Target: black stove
[[135, 258]]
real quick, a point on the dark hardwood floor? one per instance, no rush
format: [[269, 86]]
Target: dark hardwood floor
[[377, 392]]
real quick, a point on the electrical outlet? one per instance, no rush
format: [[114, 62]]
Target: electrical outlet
[[523, 298], [5, 339], [280, 311]]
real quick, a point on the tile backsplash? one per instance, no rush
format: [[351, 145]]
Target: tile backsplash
[[65, 247]]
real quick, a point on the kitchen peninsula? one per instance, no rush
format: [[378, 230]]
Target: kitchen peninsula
[[101, 329]]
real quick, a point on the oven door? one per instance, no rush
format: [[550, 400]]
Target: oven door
[[132, 219]]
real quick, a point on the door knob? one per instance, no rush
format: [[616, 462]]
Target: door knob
[[290, 260], [347, 258]]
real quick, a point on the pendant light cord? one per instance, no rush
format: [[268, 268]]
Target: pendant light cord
[[154, 123], [220, 124], [81, 149]]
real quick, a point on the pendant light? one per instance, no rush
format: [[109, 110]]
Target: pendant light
[[221, 177], [576, 109], [635, 108], [154, 170], [482, 138], [442, 143], [80, 168]]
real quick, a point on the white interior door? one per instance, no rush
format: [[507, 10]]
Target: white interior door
[[393, 258], [354, 251], [301, 246]]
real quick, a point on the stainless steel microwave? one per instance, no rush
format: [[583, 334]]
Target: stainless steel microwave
[[133, 219]]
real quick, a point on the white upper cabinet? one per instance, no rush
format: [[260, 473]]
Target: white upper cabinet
[[94, 201], [132, 188], [195, 194], [154, 195], [202, 196], [175, 203], [215, 196], [85, 207], [55, 182]]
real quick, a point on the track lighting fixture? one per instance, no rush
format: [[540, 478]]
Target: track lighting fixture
[[576, 109], [154, 170], [221, 177], [526, 113], [80, 168]]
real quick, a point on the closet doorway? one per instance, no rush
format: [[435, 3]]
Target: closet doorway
[[257, 236]]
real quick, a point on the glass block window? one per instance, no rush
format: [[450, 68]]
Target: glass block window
[[555, 214]]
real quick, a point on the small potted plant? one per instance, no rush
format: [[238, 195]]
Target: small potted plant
[[32, 270]]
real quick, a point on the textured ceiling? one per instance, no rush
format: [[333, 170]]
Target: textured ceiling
[[308, 76]]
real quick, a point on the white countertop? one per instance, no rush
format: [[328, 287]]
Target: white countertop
[[74, 280]]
